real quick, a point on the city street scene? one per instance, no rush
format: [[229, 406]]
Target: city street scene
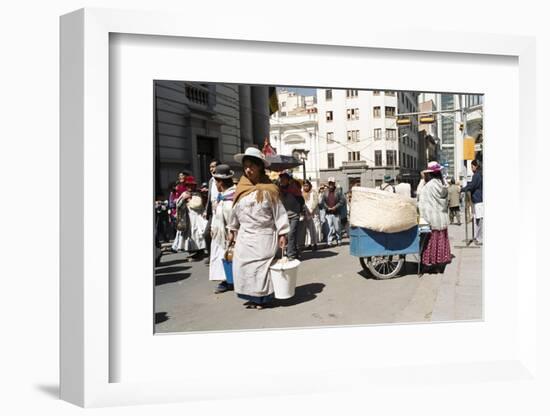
[[298, 207]]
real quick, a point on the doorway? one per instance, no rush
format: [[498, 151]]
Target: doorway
[[206, 151]]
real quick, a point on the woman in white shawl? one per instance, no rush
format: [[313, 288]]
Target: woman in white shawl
[[258, 226], [222, 213], [432, 204]]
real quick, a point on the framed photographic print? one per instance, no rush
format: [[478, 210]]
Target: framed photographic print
[[145, 98]]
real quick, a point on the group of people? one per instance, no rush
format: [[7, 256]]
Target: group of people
[[184, 217], [259, 219]]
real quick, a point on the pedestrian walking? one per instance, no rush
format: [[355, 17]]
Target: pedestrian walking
[[323, 231], [432, 205], [195, 243], [220, 219], [475, 187], [210, 209], [293, 201], [388, 184], [311, 215], [454, 203], [181, 221], [162, 219], [343, 213], [332, 201], [258, 227], [402, 188], [420, 185]]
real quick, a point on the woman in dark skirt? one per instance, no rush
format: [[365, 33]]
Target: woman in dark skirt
[[432, 204]]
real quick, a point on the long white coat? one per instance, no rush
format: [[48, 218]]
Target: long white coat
[[258, 225], [432, 204], [220, 219]]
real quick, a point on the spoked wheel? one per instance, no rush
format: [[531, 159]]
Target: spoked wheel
[[384, 267]]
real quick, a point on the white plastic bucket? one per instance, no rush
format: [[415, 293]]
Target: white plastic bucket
[[284, 276]]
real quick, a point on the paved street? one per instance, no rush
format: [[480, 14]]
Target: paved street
[[332, 290]]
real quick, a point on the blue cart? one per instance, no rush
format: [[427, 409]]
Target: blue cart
[[383, 254]]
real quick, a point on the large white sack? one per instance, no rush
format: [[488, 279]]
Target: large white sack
[[382, 211]]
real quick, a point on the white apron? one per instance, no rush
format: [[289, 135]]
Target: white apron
[[218, 245], [258, 225]]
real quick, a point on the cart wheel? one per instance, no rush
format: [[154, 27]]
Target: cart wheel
[[385, 267]]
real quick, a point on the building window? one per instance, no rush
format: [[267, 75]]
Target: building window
[[353, 156], [328, 95], [376, 92], [391, 134], [330, 157], [390, 111], [389, 93], [353, 135], [390, 157], [283, 104], [376, 112], [351, 93], [377, 134], [402, 161], [330, 137], [353, 113], [378, 158], [329, 115]]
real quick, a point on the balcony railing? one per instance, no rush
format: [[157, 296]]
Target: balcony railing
[[197, 94]]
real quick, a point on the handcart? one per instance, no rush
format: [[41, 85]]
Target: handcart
[[383, 254]]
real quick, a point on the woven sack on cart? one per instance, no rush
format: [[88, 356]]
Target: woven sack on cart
[[382, 211]]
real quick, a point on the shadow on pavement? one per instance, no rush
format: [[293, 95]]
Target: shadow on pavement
[[304, 293], [161, 317], [409, 268], [165, 270], [170, 278], [308, 255]]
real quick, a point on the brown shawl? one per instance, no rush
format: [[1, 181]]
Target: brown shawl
[[245, 187]]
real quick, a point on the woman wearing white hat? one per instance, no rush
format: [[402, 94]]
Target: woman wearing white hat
[[258, 225], [432, 204]]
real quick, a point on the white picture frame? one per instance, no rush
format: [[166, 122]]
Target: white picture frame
[[86, 355]]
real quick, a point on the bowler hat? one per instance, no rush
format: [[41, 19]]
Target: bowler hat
[[223, 172]]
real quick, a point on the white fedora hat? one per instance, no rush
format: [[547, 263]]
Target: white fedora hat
[[252, 152]]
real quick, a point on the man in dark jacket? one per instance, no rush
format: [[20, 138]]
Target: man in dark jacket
[[475, 187], [332, 201], [293, 201]]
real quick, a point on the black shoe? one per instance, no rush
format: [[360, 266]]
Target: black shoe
[[314, 247], [222, 287]]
